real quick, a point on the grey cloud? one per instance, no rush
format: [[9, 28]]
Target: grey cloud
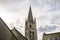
[[34, 2], [56, 19], [53, 4], [47, 28], [12, 0], [17, 24], [11, 5], [14, 5]]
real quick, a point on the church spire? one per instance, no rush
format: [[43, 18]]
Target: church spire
[[30, 17], [30, 27]]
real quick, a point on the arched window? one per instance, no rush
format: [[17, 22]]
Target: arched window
[[32, 35], [30, 32], [30, 26]]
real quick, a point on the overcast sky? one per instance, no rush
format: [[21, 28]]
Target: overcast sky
[[47, 13]]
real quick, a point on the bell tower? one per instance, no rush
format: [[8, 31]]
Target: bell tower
[[30, 27]]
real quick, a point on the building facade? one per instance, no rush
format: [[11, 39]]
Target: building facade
[[52, 36], [30, 27], [7, 34]]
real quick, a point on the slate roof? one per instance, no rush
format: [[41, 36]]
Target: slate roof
[[18, 35]]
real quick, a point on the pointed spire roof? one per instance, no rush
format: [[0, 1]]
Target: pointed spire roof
[[30, 17]]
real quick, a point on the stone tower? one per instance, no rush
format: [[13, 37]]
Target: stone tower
[[30, 27]]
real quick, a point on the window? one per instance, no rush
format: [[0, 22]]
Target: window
[[33, 35], [58, 37], [30, 26], [48, 38], [30, 34], [53, 38], [26, 34]]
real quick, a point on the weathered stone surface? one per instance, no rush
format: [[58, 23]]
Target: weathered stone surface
[[5, 33]]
